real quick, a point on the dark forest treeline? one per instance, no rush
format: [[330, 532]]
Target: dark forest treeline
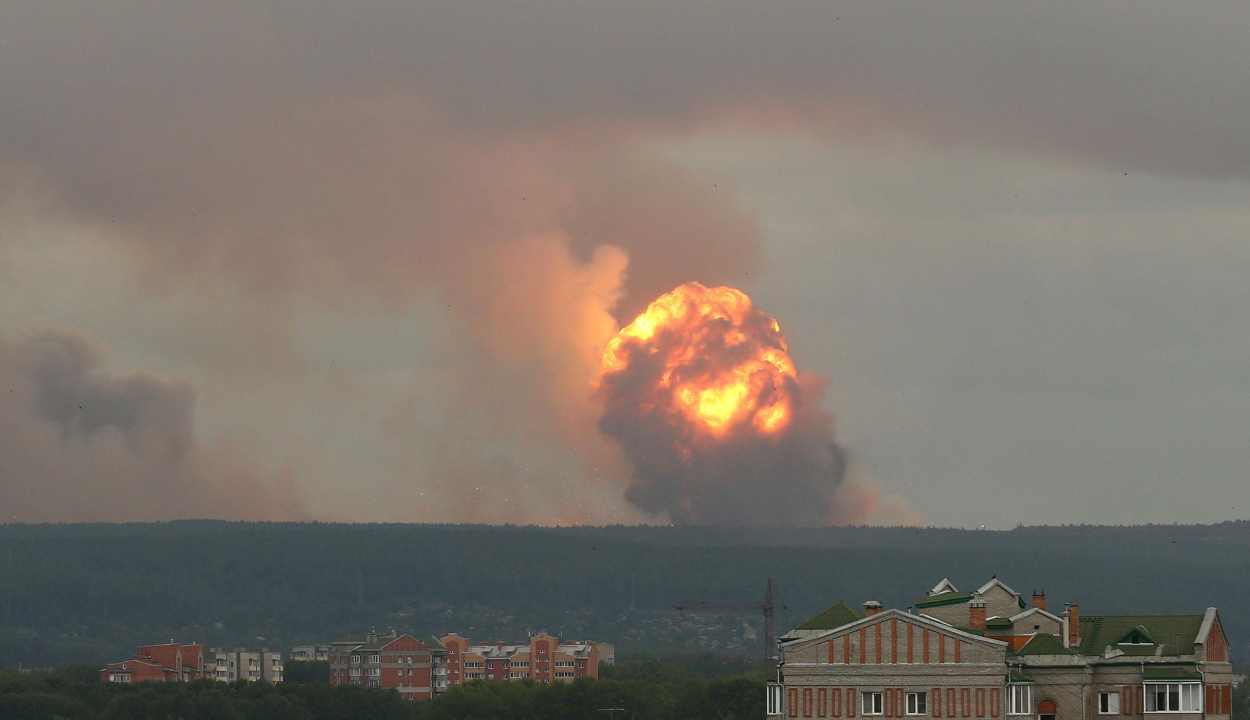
[[92, 592], [73, 693]]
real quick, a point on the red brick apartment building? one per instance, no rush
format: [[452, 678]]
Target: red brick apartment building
[[544, 659], [413, 667], [171, 662]]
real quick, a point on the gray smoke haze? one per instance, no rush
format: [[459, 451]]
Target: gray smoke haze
[[484, 159], [77, 443], [210, 149]]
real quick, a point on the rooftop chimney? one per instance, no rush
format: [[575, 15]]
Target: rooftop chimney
[[872, 607], [1074, 624], [1039, 600], [976, 613]]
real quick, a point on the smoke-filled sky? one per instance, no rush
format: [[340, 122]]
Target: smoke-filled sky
[[359, 261]]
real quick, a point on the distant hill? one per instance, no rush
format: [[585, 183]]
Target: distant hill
[[92, 592]]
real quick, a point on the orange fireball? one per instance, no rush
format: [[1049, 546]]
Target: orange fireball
[[710, 358]]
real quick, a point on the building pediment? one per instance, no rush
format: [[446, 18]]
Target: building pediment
[[897, 618]]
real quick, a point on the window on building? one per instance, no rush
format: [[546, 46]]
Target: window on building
[[916, 703], [773, 697], [872, 703], [1109, 703], [355, 659], [1173, 697], [373, 658], [1020, 699]]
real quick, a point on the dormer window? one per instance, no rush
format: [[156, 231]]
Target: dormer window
[[1136, 636]]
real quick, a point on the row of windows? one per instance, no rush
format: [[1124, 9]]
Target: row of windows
[[1173, 697], [409, 659], [375, 659], [873, 703], [1159, 698]]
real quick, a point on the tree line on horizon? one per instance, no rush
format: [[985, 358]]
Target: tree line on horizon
[[94, 592]]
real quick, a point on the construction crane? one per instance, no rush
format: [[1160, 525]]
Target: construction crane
[[766, 604]]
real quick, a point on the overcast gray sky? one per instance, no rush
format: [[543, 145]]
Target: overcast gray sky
[[358, 261]]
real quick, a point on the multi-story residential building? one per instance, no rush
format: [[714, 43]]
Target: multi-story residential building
[[545, 658], [170, 662], [243, 664], [309, 653], [414, 667], [988, 654]]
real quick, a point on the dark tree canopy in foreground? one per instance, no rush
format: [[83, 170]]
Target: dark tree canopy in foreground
[[74, 693]]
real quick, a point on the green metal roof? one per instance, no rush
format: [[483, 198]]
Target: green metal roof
[[1019, 677], [835, 616], [1174, 672], [1044, 644], [1176, 633], [999, 623], [949, 598]]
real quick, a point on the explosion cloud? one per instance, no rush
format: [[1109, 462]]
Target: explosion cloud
[[720, 427]]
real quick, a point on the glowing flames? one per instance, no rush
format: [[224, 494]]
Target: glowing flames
[[715, 361], [718, 426]]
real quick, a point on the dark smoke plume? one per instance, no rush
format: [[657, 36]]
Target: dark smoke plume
[[77, 443]]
